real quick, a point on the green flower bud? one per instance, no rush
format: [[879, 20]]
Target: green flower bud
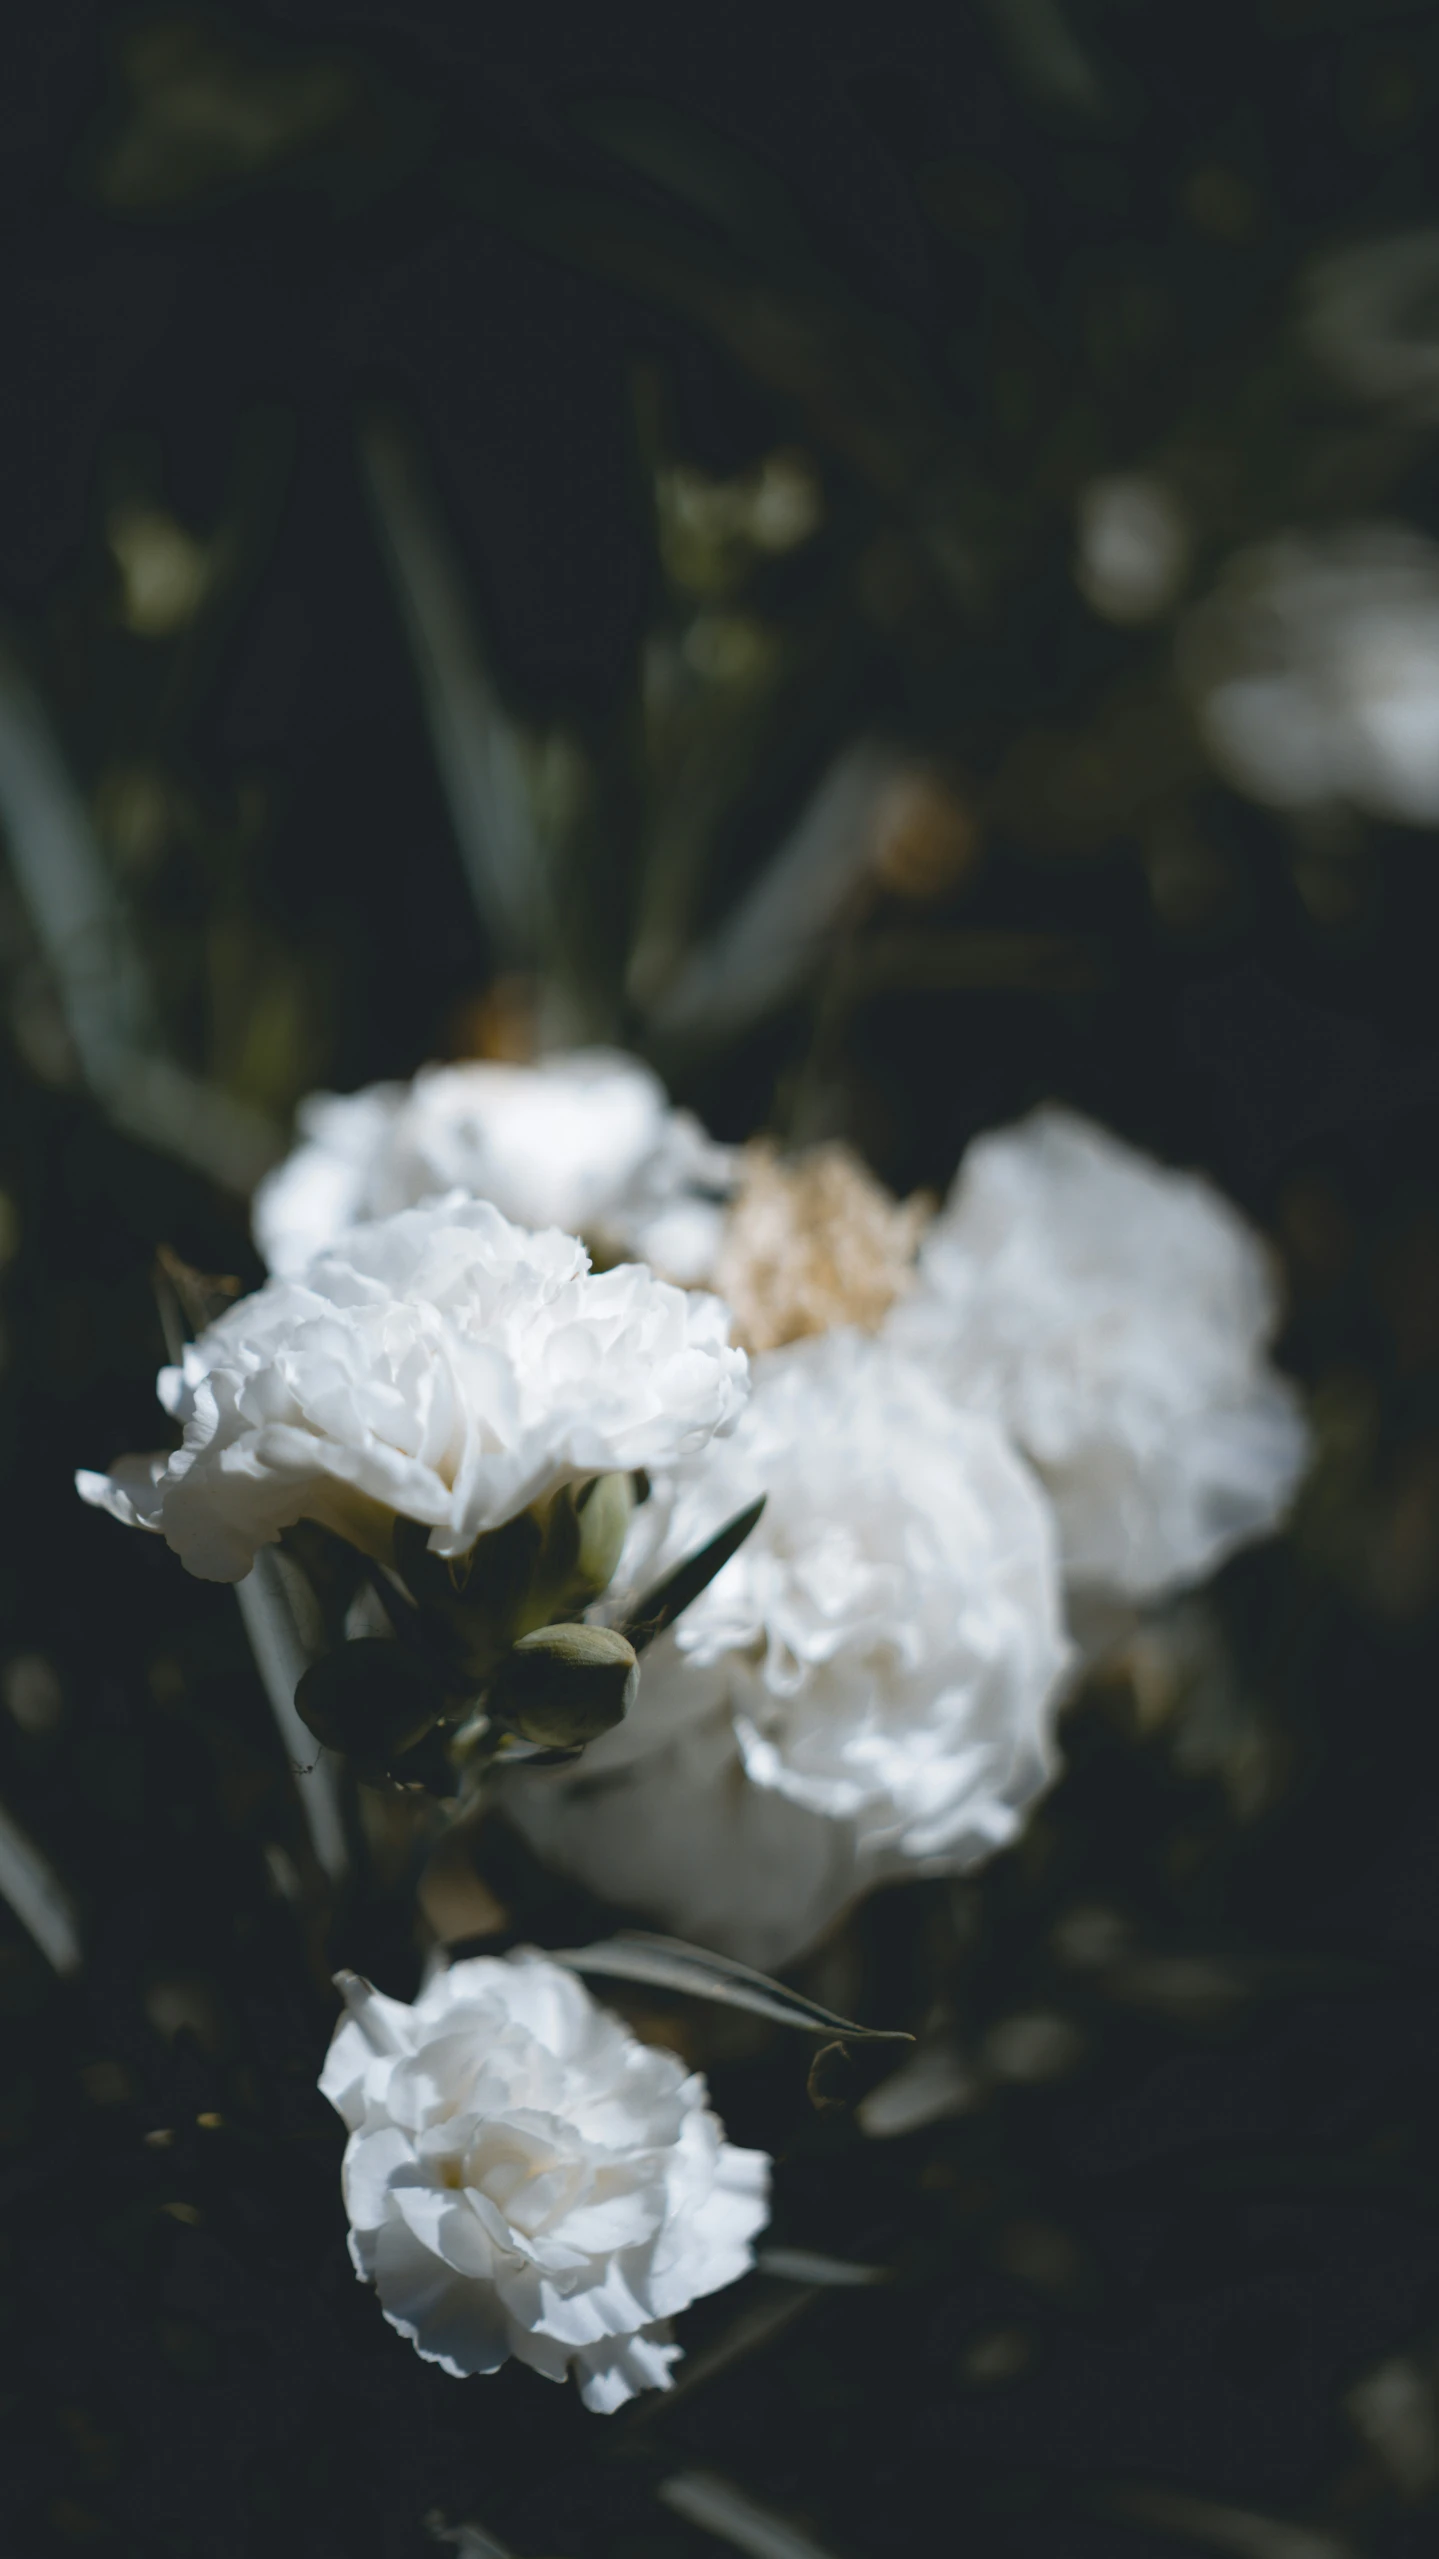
[[373, 1698], [564, 1685], [582, 1529]]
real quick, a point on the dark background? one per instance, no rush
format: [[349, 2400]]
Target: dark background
[[1143, 2287]]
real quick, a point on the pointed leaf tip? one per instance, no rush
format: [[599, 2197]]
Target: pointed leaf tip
[[661, 1605], [666, 1963]]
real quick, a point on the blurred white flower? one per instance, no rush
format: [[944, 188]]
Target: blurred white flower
[[1371, 314], [586, 1142], [1132, 546], [1113, 1316], [866, 1690], [1314, 670], [524, 2178], [440, 1365], [680, 1834]]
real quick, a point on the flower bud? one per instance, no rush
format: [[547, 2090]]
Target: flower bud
[[373, 1698], [605, 1507], [564, 1685], [581, 1529]]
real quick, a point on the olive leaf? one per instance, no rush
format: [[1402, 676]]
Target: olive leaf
[[373, 1698], [666, 1963], [699, 2497], [662, 1605]]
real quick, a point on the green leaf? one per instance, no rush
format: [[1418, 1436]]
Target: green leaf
[[373, 1698], [661, 1606], [701, 2498], [808, 2266], [666, 1963]]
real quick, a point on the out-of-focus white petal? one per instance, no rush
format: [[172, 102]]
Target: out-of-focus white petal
[[1369, 316], [1313, 667], [684, 1837], [586, 1141], [1132, 546], [1113, 1316]]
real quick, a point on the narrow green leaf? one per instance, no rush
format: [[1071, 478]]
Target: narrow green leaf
[[717, 2507], [199, 1295], [661, 1606], [666, 1963], [809, 2266]]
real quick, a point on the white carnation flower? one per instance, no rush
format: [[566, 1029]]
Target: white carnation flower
[[1314, 668], [440, 1365], [523, 2178], [1113, 1316], [586, 1142], [865, 1690]]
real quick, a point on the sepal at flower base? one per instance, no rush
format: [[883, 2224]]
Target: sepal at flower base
[[473, 1604]]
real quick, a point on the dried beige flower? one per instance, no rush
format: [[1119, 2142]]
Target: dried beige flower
[[813, 1243]]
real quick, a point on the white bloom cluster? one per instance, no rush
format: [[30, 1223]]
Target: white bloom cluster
[[440, 1365], [586, 1142], [1314, 668], [523, 2178], [1113, 1317], [1072, 1403], [866, 1689]]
